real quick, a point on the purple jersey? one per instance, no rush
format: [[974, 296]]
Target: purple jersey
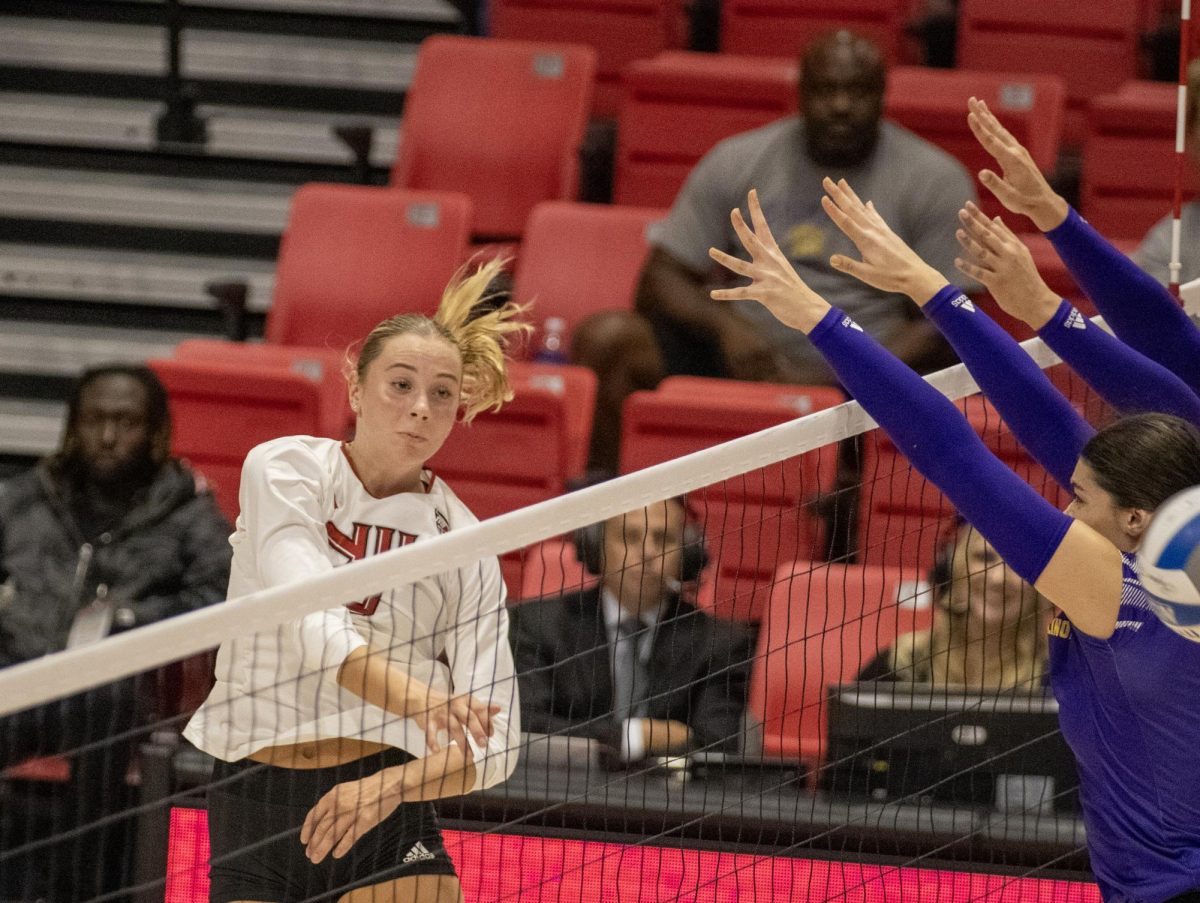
[[1129, 707]]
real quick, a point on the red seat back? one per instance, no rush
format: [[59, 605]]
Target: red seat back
[[785, 27], [221, 411], [933, 103], [753, 522], [354, 255], [620, 31], [823, 623], [577, 259], [501, 121], [678, 105], [1094, 48], [324, 367], [1128, 179], [551, 568], [524, 453]]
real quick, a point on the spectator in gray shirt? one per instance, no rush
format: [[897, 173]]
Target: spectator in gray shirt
[[678, 329]]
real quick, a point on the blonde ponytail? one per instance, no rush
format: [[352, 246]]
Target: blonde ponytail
[[480, 332]]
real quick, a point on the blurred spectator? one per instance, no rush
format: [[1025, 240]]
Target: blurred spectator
[[1154, 253], [107, 534], [987, 631], [678, 328], [628, 662]]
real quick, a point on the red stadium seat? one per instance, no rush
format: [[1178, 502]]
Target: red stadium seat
[[501, 121], [354, 255], [823, 623], [577, 259], [322, 366], [1128, 179], [678, 105], [620, 31], [754, 522], [901, 514], [933, 103], [221, 411], [786, 27], [1093, 47], [526, 452]]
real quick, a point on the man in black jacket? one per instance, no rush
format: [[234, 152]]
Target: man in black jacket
[[628, 662], [107, 534]]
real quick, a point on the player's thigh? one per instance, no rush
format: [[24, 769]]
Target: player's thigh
[[413, 889]]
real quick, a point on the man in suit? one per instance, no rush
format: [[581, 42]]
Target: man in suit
[[628, 662]]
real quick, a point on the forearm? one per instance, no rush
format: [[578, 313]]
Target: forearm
[[1124, 378], [933, 435], [669, 291], [450, 772], [369, 676], [1043, 421], [666, 738], [1140, 311]]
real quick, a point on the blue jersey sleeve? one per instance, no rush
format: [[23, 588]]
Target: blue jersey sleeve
[[1043, 421], [1140, 311], [1127, 380], [1022, 526]]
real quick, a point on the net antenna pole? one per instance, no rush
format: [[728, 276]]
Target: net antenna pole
[[1185, 45]]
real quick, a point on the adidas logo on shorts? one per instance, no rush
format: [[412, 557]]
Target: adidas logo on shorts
[[1075, 320], [418, 853]]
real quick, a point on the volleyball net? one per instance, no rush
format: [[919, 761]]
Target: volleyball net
[[835, 692]]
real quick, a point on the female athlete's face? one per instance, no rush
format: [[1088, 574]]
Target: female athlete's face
[[408, 400], [992, 593], [1095, 507]]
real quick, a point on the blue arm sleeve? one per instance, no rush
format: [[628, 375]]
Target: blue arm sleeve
[[1023, 527], [1140, 311], [1124, 378], [1043, 421]]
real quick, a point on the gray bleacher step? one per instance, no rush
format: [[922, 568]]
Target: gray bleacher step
[[85, 196], [66, 349], [423, 10], [265, 134], [30, 428], [127, 277], [292, 60]]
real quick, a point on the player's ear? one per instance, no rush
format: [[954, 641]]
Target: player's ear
[[1135, 521], [354, 391]]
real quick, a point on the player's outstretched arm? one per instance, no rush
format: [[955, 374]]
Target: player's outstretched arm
[[1140, 311], [1041, 418], [1029, 533], [1126, 379]]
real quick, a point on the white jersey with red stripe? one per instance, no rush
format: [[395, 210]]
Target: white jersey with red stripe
[[303, 512]]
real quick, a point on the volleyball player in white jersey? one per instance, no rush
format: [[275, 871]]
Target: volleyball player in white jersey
[[333, 733]]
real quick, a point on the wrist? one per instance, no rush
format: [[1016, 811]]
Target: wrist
[[923, 286], [1050, 215], [1043, 310]]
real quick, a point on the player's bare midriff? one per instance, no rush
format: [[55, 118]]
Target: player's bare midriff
[[317, 753]]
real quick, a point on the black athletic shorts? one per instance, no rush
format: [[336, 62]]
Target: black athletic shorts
[[255, 812]]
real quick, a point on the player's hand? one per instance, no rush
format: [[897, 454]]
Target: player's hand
[[773, 281], [994, 256], [1021, 188], [887, 262], [346, 813], [437, 713]]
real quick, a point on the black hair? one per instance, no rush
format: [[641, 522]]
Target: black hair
[[1144, 459], [158, 414]]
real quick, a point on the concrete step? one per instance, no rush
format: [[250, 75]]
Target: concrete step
[[84, 196], [127, 277], [240, 132], [67, 349], [289, 60], [30, 428]]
